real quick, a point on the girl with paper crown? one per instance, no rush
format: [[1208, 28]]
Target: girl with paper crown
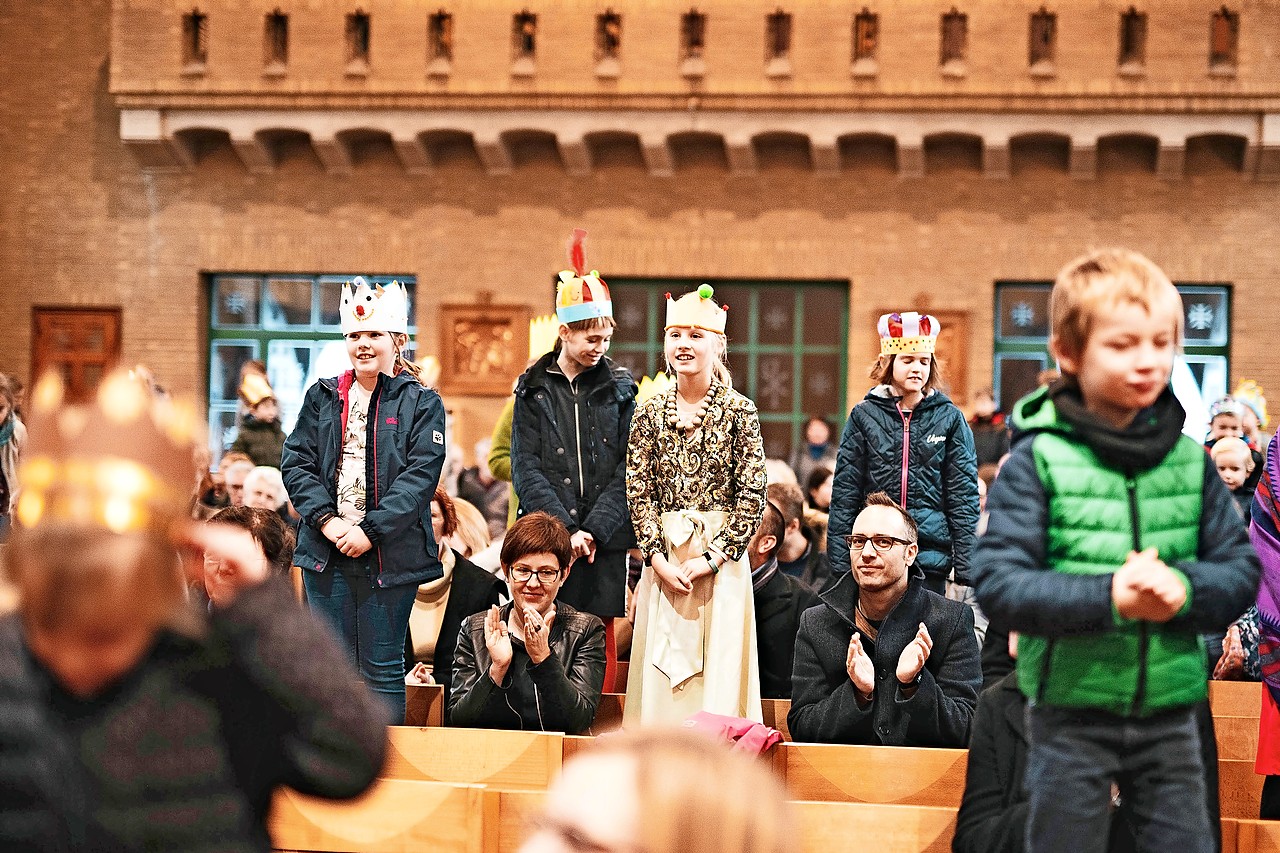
[[361, 466], [907, 438], [569, 428], [696, 488]]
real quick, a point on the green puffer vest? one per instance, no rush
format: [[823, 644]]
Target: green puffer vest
[[1097, 516]]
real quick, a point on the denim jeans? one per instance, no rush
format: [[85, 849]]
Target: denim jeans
[[370, 621], [1155, 761]]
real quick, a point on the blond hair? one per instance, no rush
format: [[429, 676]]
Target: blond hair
[[697, 795], [1231, 444], [1099, 282], [472, 535]]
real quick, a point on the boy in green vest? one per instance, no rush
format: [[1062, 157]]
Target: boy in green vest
[[1111, 545]]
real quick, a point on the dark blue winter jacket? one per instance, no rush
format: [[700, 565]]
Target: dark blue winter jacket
[[569, 447], [941, 481], [405, 453]]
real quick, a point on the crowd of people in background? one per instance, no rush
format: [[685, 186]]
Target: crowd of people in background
[[1079, 555]]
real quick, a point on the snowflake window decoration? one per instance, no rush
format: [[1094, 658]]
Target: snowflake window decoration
[[820, 383], [775, 384], [776, 318], [1200, 317], [632, 316], [1022, 315], [236, 303]]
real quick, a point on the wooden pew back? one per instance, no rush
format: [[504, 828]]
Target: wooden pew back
[[1235, 698], [394, 816], [872, 774], [517, 761]]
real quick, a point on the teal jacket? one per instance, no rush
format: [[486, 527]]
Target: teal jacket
[[1075, 497]]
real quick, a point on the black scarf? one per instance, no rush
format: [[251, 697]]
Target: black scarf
[[1140, 446]]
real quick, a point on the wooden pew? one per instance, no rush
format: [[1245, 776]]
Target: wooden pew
[[861, 827], [394, 816], [872, 774], [1237, 737], [1239, 789], [1235, 698], [608, 713], [517, 761], [1255, 836], [507, 816], [775, 715], [424, 705]]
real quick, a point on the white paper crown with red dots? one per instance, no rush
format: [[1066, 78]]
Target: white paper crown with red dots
[[908, 332], [374, 308]]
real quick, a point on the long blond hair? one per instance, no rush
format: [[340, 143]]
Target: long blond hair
[[696, 795]]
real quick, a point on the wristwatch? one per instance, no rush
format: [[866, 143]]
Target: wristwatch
[[711, 561]]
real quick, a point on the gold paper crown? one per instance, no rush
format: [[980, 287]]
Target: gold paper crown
[[1250, 393], [124, 463], [653, 386], [697, 310], [255, 388]]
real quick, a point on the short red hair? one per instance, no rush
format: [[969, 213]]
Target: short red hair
[[537, 533]]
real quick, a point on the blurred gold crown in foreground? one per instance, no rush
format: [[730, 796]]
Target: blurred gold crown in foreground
[[123, 462]]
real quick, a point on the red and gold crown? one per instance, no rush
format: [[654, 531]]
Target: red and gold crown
[[908, 332], [123, 463]]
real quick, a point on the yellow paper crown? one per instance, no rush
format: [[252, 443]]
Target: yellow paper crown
[[255, 388], [697, 310], [653, 386], [124, 463], [1249, 392], [543, 332]]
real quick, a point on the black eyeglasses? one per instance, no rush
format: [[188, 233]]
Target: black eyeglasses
[[880, 541], [522, 574]]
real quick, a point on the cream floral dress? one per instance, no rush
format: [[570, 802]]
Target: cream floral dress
[[688, 492]]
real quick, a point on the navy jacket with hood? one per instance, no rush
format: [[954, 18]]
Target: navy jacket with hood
[[941, 478], [405, 453]]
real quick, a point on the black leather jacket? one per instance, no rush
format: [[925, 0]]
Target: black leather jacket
[[558, 695]]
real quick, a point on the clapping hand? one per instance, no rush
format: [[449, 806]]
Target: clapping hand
[[498, 642], [912, 659], [861, 669], [537, 634]]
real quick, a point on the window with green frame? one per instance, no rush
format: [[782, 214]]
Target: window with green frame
[[788, 345], [290, 322], [1022, 337]]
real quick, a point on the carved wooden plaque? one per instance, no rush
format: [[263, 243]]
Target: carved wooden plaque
[[483, 348]]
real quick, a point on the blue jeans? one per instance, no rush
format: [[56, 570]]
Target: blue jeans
[[1155, 761], [370, 621]]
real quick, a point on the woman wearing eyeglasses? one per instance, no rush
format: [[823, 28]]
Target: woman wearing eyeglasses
[[533, 664]]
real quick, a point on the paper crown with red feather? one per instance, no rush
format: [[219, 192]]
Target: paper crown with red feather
[[581, 295], [908, 332]]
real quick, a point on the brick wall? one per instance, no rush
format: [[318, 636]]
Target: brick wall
[[81, 224], [147, 39]]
